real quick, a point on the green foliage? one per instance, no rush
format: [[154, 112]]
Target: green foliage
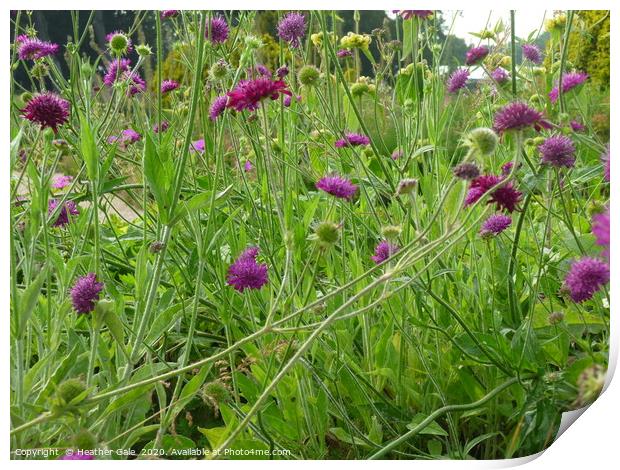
[[589, 45]]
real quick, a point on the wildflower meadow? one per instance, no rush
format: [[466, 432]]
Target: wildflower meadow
[[305, 234]]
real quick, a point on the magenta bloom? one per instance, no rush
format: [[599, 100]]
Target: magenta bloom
[[164, 127], [116, 71], [246, 273], [576, 126], [288, 100], [48, 110], [337, 186], [282, 71], [397, 154], [532, 53], [457, 80], [557, 151], [606, 164], [352, 140], [383, 251], [495, 225], [569, 81], [169, 85], [505, 197], [499, 75], [344, 53], [33, 48], [249, 93], [217, 30], [77, 456], [137, 84], [61, 181], [466, 171], [128, 136], [476, 54], [292, 28], [585, 277], [169, 14], [600, 229], [247, 166], [408, 14], [517, 116], [85, 292], [198, 146], [70, 208], [218, 107]]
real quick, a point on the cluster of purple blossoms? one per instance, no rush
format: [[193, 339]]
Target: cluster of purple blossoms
[[344, 53], [246, 273], [48, 110], [169, 85], [292, 28], [558, 151], [217, 30], [163, 128], [518, 116], [34, 48], [249, 93], [352, 140], [600, 229], [495, 225], [61, 181], [457, 80], [217, 107], [69, 208], [499, 75], [506, 197], [116, 71], [569, 81], [383, 251], [137, 84], [585, 277], [408, 14], [606, 164], [109, 36], [169, 14], [128, 136], [476, 54], [85, 292], [337, 186], [532, 53]]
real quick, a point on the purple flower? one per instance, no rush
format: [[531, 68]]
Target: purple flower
[[116, 71], [282, 72], [517, 116], [169, 85], [288, 100], [259, 70], [218, 107], [569, 81], [246, 273], [137, 84], [85, 292], [48, 110], [337, 186], [169, 14], [217, 30], [247, 166], [383, 251], [292, 28], [68, 209], [576, 126], [495, 225], [457, 80], [408, 14], [249, 93], [606, 164], [344, 53], [600, 229], [507, 167], [557, 151], [532, 53], [198, 146], [77, 456], [476, 54], [33, 48], [61, 181], [352, 140], [466, 171], [397, 154], [505, 197], [585, 277], [163, 128], [499, 75], [128, 136]]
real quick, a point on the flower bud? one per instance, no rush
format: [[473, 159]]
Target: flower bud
[[406, 186], [309, 75], [482, 140]]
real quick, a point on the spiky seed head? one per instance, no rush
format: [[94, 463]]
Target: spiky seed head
[[119, 43], [219, 70], [69, 390], [216, 392], [309, 75], [84, 440], [391, 232], [144, 50], [358, 89], [482, 140], [327, 233]]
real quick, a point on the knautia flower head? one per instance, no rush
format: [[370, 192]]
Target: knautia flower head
[[518, 116], [466, 171], [577, 126], [47, 110], [144, 50], [532, 53], [505, 197], [61, 181], [246, 272], [475, 55], [482, 140], [164, 14], [495, 225], [33, 48], [337, 186], [500, 75], [136, 83], [600, 229], [457, 80], [163, 128], [585, 277], [569, 81], [383, 251], [359, 88], [309, 76], [216, 30], [282, 71], [219, 70], [249, 93], [198, 146], [288, 100], [606, 164], [169, 85], [326, 233], [352, 140], [116, 71], [84, 440], [127, 137], [247, 166], [69, 392], [397, 154], [85, 293], [558, 151], [292, 28], [119, 43], [408, 14], [218, 106], [406, 186], [342, 53], [391, 232]]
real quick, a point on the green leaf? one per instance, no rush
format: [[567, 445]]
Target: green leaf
[[159, 173], [89, 149], [15, 146], [198, 202], [432, 428], [104, 312], [28, 301], [343, 436], [190, 389]]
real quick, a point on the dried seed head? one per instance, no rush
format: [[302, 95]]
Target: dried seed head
[[482, 140], [406, 186]]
